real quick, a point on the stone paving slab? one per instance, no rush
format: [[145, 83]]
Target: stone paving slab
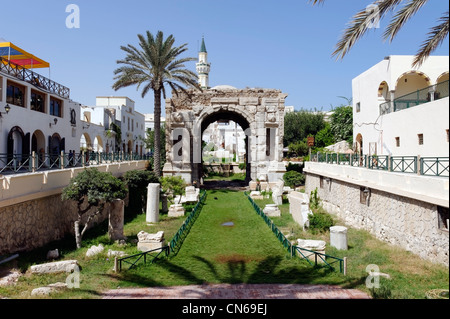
[[238, 291]]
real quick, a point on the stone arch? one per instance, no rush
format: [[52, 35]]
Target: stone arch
[[260, 112], [359, 144]]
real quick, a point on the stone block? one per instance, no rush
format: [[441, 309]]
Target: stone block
[[176, 210], [55, 267], [150, 246], [299, 208], [317, 246], [272, 210]]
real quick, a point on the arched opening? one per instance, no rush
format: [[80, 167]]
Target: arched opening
[[411, 82], [18, 145], [130, 147], [85, 142], [441, 89], [55, 146], [359, 144], [38, 146], [98, 144], [225, 149], [383, 92]]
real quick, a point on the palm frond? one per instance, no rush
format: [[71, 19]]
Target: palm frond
[[435, 38], [402, 16], [361, 23]]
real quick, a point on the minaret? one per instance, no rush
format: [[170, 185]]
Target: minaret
[[203, 67]]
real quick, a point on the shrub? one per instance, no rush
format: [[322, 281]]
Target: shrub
[[173, 186], [137, 182], [295, 167], [293, 178], [320, 221]]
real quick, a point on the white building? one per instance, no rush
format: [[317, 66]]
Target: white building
[[36, 113], [402, 111], [109, 114]]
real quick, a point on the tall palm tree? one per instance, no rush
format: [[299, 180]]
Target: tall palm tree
[[363, 21], [153, 66]]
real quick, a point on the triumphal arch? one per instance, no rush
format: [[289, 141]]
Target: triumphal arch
[[259, 112]]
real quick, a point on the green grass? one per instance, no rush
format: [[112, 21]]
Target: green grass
[[411, 276], [247, 252]]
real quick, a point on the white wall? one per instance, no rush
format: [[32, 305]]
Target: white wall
[[430, 119]]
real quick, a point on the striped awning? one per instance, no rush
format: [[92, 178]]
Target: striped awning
[[21, 57]]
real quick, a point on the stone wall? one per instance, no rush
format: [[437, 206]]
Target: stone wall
[[402, 221], [32, 213], [32, 224]]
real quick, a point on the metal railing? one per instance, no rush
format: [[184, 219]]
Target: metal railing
[[425, 166], [293, 249], [183, 231], [33, 78], [26, 163], [428, 94], [154, 255]]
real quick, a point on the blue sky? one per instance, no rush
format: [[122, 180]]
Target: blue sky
[[284, 44]]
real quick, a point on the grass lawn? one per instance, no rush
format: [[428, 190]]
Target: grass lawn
[[245, 252]]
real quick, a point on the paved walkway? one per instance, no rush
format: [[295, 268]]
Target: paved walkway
[[238, 291]]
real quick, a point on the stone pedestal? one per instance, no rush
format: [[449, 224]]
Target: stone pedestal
[[176, 210], [152, 212], [272, 210], [256, 195], [317, 246], [116, 220], [150, 241], [338, 237]]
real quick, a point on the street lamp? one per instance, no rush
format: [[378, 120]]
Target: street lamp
[[7, 109]]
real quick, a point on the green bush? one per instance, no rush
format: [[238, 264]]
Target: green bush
[[320, 221], [137, 182], [295, 167], [293, 179]]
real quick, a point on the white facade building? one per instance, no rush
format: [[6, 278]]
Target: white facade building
[[111, 111], [402, 111]]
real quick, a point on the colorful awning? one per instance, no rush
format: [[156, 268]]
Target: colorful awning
[[21, 57]]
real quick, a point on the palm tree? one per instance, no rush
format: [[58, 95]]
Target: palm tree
[[363, 21], [153, 66]]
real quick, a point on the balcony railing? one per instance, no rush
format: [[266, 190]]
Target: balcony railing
[[428, 94], [33, 78], [425, 166], [26, 163]]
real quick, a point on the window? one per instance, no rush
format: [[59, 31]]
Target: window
[[420, 137], [364, 194], [55, 107], [443, 216], [37, 101], [358, 107], [397, 141], [15, 94]]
